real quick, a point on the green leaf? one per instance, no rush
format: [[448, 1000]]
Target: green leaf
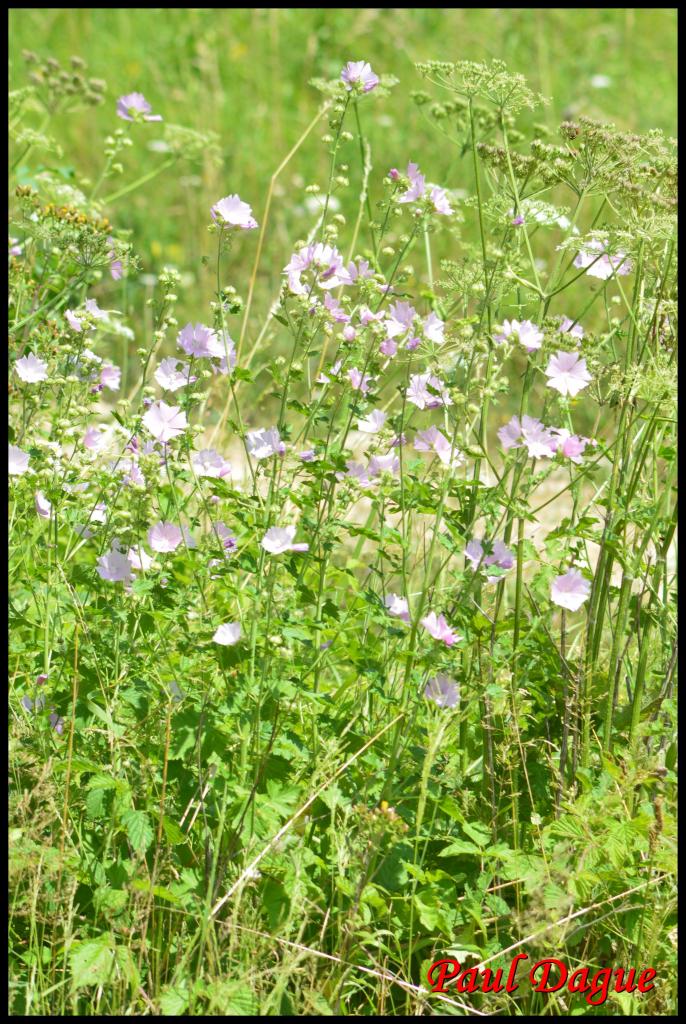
[[138, 829]]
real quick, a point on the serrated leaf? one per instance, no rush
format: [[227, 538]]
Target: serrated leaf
[[138, 829]]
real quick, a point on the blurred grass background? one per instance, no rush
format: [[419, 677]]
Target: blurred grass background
[[244, 74]]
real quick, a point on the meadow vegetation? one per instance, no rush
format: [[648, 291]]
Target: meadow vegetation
[[342, 509]]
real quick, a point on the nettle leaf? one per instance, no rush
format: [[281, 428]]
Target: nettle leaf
[[100, 961], [138, 829]]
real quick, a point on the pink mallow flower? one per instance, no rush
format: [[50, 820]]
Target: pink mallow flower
[[135, 107], [567, 373], [397, 607], [569, 327], [73, 321], [373, 422], [233, 211], [173, 374], [209, 462], [427, 392], [359, 72], [110, 377], [443, 691], [417, 185], [439, 629], [530, 433], [114, 567], [279, 539], [228, 634], [570, 445], [164, 537], [43, 506], [359, 381], [18, 461], [439, 198], [199, 341], [500, 556], [570, 590], [31, 369], [264, 443], [597, 263], [165, 422], [526, 333], [433, 440]]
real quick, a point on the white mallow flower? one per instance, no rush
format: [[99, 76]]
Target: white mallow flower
[[279, 539]]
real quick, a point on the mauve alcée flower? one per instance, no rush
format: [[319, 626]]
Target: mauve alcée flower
[[43, 506], [594, 258], [114, 567], [164, 537], [228, 634], [567, 373], [173, 374], [200, 341], [443, 691], [209, 462], [530, 433], [373, 422], [279, 539], [165, 422], [134, 107], [526, 332], [18, 461], [570, 327], [427, 392], [398, 607], [570, 590], [31, 369], [110, 377], [433, 440], [359, 72], [439, 629], [262, 444], [232, 211]]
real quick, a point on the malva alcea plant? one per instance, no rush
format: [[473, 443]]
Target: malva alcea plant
[[348, 639]]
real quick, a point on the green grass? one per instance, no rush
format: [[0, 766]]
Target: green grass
[[243, 74]]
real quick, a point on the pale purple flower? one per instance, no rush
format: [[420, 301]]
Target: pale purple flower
[[526, 333], [359, 72], [73, 320], [135, 107], [373, 422], [116, 265], [228, 352], [165, 422], [93, 308], [279, 539], [173, 374], [199, 341], [57, 723], [421, 391], [228, 634], [308, 455], [349, 332], [594, 258], [233, 211], [501, 556], [570, 590], [569, 445], [433, 440], [110, 377], [357, 472], [114, 566], [567, 373], [400, 318], [264, 443], [31, 369], [539, 441], [433, 328], [379, 464], [18, 461], [227, 538], [139, 558], [388, 347], [398, 607], [359, 381], [334, 307], [333, 371], [439, 198], [43, 506], [209, 462], [443, 691], [439, 629], [569, 327], [367, 317], [417, 185], [164, 536]]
